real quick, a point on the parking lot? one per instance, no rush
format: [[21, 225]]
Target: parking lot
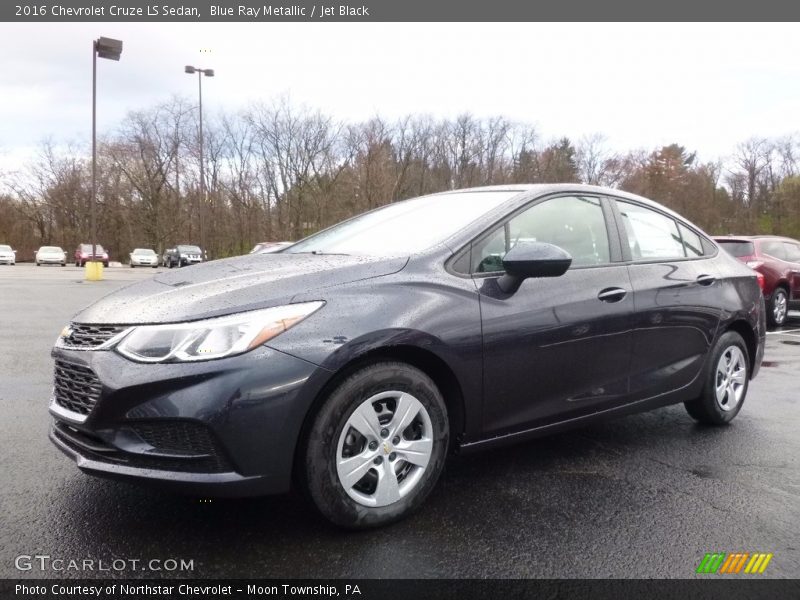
[[643, 496]]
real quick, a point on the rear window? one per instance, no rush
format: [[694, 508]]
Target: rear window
[[738, 249]]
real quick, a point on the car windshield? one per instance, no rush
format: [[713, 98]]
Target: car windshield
[[88, 248], [50, 249], [4, 248], [737, 248], [144, 251], [192, 249], [403, 228]]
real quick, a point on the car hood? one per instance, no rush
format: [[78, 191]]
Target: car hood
[[232, 285]]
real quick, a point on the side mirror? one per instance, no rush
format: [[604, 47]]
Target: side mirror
[[532, 259]]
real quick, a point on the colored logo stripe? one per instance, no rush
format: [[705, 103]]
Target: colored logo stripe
[[711, 562], [720, 562], [758, 563]]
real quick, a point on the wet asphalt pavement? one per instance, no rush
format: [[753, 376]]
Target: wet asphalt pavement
[[642, 496]]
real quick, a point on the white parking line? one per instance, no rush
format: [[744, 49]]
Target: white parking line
[[789, 331]]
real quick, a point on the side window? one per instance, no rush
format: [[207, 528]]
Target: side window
[[775, 249], [651, 235], [574, 223], [692, 243], [792, 252]]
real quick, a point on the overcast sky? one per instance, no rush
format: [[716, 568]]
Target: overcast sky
[[706, 86]]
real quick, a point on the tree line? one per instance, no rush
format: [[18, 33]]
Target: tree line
[[279, 172]]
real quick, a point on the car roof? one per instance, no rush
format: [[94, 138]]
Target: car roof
[[752, 238], [542, 189]]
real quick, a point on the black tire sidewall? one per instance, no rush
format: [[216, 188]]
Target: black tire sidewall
[[320, 474]]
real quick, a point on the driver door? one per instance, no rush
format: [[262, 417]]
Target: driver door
[[558, 347]]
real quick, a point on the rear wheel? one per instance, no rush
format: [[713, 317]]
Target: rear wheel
[[726, 382], [376, 447], [778, 307]]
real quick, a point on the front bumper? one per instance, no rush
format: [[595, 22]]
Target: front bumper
[[51, 260], [243, 416]]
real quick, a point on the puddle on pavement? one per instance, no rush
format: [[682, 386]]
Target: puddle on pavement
[[769, 363], [790, 342]]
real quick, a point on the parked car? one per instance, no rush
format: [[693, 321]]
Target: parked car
[[143, 257], [183, 255], [83, 254], [50, 255], [7, 255], [354, 361], [778, 260], [269, 247]]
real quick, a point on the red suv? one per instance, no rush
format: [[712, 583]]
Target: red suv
[[778, 260], [83, 253]]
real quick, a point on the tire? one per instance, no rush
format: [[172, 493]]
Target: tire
[[778, 307], [155, 266], [132, 265], [372, 500], [720, 408], [63, 264], [38, 264]]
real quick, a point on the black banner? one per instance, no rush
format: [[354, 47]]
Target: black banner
[[403, 589], [383, 10]]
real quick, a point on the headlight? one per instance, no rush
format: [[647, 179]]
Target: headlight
[[212, 338]]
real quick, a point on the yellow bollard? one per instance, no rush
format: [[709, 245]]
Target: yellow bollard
[[94, 271]]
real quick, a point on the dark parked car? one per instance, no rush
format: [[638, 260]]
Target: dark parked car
[[83, 254], [778, 260], [355, 360], [183, 255]]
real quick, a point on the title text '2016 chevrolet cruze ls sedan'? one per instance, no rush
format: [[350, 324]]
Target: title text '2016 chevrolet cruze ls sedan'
[[353, 361]]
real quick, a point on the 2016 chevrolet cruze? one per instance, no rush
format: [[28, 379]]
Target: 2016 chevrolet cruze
[[353, 361]]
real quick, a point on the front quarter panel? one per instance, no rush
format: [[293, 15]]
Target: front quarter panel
[[437, 313]]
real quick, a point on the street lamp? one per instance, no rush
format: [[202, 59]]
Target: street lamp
[[110, 49], [190, 70]]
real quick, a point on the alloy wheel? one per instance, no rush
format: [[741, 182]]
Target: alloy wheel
[[730, 379], [384, 448], [779, 307]]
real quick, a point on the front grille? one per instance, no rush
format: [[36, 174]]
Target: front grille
[[177, 437], [91, 336], [76, 388]]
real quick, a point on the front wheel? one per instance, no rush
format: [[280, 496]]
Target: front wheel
[[778, 307], [377, 446], [726, 382]]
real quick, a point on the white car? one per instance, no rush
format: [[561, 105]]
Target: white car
[[143, 257], [7, 255], [50, 255]]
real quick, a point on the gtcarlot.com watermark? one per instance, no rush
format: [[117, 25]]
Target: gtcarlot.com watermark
[[48, 563]]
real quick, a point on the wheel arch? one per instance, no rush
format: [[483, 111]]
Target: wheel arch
[[744, 329]]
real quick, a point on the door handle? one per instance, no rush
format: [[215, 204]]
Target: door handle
[[706, 279], [611, 294]]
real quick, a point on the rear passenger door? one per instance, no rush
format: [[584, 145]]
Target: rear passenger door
[[676, 310]]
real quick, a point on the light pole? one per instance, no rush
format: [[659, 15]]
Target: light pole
[[110, 49], [190, 70]]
